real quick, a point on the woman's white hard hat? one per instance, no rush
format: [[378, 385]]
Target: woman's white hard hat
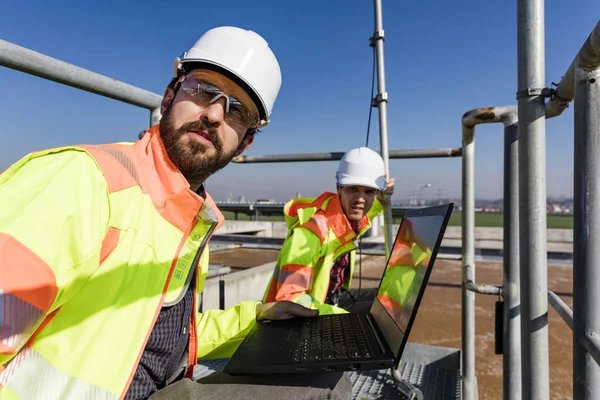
[[361, 167]]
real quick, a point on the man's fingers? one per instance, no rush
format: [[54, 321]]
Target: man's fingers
[[301, 311]]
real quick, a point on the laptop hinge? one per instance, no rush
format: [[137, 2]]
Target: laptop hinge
[[375, 331]]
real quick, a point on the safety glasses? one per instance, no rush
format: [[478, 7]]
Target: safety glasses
[[205, 94]]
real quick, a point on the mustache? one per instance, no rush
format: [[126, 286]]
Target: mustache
[[202, 126]]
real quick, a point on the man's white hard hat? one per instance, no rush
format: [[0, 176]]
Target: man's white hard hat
[[362, 167], [243, 56]]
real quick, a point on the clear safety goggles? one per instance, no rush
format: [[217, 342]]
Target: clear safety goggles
[[206, 94]]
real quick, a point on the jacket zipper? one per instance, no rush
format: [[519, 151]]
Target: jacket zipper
[[194, 264]]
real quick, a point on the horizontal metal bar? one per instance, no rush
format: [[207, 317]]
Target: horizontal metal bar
[[336, 156], [471, 285], [231, 242], [488, 115], [591, 341], [34, 63], [277, 208], [222, 247], [218, 270]]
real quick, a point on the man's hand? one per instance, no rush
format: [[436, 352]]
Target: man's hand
[[389, 190], [283, 310]]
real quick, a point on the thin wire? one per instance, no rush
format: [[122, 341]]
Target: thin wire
[[371, 99]]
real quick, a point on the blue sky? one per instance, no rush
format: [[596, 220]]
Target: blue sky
[[442, 59]]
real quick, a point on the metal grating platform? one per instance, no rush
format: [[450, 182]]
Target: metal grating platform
[[432, 372], [433, 383]]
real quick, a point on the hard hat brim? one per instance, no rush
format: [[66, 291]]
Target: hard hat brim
[[191, 64], [352, 181]]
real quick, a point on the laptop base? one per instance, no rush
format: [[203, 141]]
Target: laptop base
[[286, 355]]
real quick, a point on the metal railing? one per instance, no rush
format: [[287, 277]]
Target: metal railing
[[524, 289], [31, 62]]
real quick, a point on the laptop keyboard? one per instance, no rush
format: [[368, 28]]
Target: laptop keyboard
[[331, 337]]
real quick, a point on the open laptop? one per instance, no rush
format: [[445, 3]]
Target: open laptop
[[354, 342]]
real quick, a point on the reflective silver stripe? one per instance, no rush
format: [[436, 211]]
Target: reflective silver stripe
[[120, 157], [17, 320], [207, 214], [305, 300], [31, 376]]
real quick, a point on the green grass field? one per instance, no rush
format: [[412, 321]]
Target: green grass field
[[481, 219], [496, 220]]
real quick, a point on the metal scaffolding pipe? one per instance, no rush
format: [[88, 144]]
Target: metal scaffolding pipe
[[469, 382], [561, 308], [336, 156], [586, 221], [588, 56], [381, 102], [34, 63], [508, 116], [589, 342], [479, 288], [511, 360], [532, 193]]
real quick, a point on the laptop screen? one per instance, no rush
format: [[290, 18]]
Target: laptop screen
[[407, 272]]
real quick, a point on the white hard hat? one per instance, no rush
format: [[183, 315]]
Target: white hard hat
[[242, 55], [361, 167]]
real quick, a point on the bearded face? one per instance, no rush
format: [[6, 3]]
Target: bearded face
[[196, 159], [205, 123]]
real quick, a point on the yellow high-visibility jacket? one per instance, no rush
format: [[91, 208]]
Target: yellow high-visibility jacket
[[319, 233], [94, 241]]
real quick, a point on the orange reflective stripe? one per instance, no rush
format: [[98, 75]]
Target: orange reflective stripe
[[317, 203], [109, 243], [318, 225], [119, 175], [30, 376], [293, 278], [272, 291], [27, 290]]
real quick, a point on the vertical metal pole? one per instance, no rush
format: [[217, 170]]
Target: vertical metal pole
[[511, 371], [586, 235], [468, 258], [382, 105], [532, 194], [155, 116]]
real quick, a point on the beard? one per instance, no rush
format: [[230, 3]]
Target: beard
[[190, 157]]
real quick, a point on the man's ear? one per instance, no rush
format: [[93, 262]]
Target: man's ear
[[246, 143], [167, 99]]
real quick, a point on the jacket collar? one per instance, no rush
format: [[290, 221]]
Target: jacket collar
[[168, 188], [338, 222]]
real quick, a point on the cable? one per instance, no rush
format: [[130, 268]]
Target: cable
[[355, 300], [371, 99], [359, 268]]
